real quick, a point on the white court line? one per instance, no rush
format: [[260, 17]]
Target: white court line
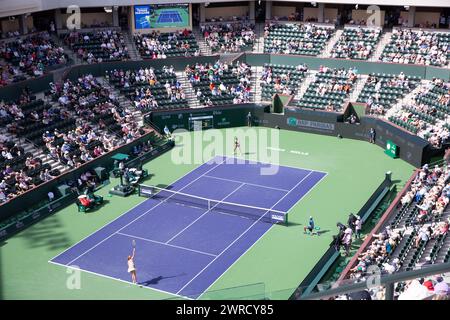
[[299, 152], [242, 184], [249, 184], [251, 226], [275, 164], [155, 206], [105, 276], [235, 261], [132, 208], [166, 244], [117, 279]]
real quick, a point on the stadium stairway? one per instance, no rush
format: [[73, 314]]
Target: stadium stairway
[[257, 71], [124, 102], [309, 78], [205, 50], [407, 99], [72, 55], [36, 151], [188, 89], [259, 41], [254, 80], [132, 50], [384, 40], [358, 87], [331, 43]]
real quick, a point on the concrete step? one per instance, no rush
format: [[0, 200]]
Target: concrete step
[[131, 45], [331, 43], [188, 89], [205, 50], [309, 78], [384, 40], [359, 85]]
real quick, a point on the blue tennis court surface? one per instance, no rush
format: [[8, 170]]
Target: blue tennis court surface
[[183, 250], [169, 16]]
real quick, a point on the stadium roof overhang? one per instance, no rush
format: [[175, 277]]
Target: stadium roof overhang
[[16, 7]]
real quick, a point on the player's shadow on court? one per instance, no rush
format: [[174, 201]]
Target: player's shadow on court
[[98, 207], [320, 232], [156, 280]]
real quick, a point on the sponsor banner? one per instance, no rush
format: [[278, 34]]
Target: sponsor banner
[[278, 217], [294, 122]]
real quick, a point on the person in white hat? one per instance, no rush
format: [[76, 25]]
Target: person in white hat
[[358, 227]]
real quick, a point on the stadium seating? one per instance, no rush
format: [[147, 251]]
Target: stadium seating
[[417, 230], [165, 45], [217, 85], [382, 91], [356, 43], [281, 79], [329, 90], [427, 115], [152, 86], [19, 170], [108, 45], [417, 47], [33, 54], [229, 37], [301, 39]]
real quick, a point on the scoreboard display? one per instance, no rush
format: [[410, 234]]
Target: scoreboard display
[[161, 16], [391, 149]]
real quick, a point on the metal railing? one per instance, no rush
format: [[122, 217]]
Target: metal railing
[[387, 281]]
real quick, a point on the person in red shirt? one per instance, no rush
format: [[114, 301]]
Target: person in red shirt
[[429, 285], [84, 200]]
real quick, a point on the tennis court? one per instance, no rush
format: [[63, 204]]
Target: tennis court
[[184, 243], [169, 16]]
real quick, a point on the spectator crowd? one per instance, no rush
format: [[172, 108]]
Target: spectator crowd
[[221, 79], [229, 37], [157, 45], [98, 46], [30, 56], [417, 47], [430, 193]]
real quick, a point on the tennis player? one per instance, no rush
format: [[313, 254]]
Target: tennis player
[[237, 145], [310, 226], [132, 267]]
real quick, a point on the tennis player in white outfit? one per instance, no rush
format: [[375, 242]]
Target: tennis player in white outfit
[[131, 267]]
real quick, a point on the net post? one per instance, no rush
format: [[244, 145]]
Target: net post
[[286, 220], [139, 190]]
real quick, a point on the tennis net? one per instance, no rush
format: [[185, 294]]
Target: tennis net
[[224, 207]]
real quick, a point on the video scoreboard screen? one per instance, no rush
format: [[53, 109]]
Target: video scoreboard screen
[[161, 16]]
